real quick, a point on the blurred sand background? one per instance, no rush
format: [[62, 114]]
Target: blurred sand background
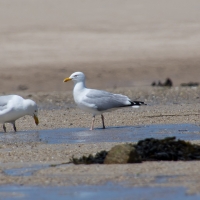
[[122, 46], [115, 43]]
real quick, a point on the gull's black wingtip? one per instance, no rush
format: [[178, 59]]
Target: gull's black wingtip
[[137, 103]]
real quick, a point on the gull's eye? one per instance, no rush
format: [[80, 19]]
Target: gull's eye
[[75, 75]]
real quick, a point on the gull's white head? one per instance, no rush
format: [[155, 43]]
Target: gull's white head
[[76, 77], [32, 109]]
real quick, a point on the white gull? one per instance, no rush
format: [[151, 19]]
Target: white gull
[[12, 107], [97, 101]]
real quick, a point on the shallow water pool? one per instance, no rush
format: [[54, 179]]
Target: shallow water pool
[[107, 192], [114, 134]]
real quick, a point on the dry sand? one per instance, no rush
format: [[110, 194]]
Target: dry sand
[[121, 46]]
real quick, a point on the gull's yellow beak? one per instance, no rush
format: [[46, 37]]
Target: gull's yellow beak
[[67, 79], [36, 120]]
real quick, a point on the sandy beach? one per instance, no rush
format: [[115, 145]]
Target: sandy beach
[[122, 47], [165, 106]]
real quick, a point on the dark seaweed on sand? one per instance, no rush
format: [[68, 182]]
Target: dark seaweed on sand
[[98, 158], [152, 149]]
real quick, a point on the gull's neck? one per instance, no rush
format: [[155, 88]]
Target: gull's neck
[[26, 104], [79, 86]]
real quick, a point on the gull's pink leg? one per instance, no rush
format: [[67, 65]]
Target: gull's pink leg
[[92, 125]]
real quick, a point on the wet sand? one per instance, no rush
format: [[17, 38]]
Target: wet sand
[[121, 47], [165, 109]]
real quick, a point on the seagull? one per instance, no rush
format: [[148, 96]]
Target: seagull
[[97, 101], [12, 107]]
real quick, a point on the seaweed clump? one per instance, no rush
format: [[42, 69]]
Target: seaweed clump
[[167, 83], [190, 84], [150, 149], [97, 159], [167, 149]]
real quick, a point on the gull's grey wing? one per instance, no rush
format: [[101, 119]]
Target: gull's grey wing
[[105, 100], [5, 99], [3, 103], [4, 110]]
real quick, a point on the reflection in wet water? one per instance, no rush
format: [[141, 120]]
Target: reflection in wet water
[[164, 178], [114, 134], [20, 137], [106, 192], [24, 171]]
